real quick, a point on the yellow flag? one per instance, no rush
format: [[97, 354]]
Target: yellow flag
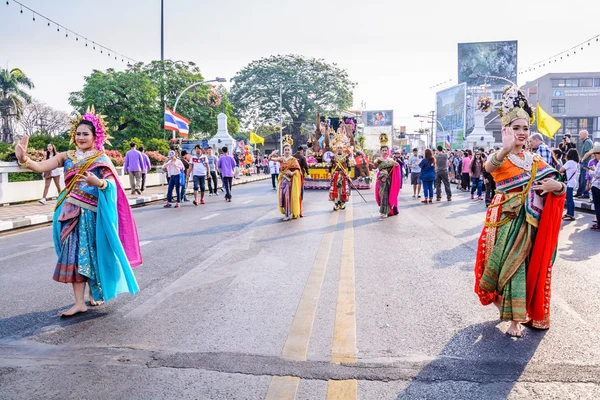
[[255, 139], [546, 125]]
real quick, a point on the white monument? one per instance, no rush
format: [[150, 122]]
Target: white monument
[[480, 137], [222, 138]]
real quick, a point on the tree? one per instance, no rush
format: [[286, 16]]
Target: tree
[[13, 100], [128, 99], [307, 85], [39, 118], [132, 103], [193, 104]]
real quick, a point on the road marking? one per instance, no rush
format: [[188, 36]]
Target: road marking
[[296, 345], [145, 242], [344, 332], [342, 390], [209, 217], [248, 202], [283, 388], [37, 248]]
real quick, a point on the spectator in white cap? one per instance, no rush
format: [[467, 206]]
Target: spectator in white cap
[[537, 144]]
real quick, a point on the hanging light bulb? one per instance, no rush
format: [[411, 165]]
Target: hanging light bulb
[[34, 16], [76, 38], [48, 23], [21, 9]]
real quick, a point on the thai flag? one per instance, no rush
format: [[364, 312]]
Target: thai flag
[[448, 142], [176, 122]]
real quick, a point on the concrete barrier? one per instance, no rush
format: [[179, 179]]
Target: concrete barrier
[[16, 192]]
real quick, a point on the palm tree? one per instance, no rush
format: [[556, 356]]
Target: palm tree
[[12, 100]]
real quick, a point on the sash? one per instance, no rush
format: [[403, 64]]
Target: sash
[[67, 190]]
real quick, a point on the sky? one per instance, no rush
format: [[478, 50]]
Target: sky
[[394, 50]]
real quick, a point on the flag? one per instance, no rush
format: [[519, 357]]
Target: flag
[[176, 122], [255, 139], [448, 142], [546, 125]]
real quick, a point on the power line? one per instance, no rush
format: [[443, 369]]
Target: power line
[[110, 53]]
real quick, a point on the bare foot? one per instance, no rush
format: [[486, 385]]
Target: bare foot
[[95, 303], [76, 309], [515, 329]]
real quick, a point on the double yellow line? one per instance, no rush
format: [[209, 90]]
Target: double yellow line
[[344, 334]]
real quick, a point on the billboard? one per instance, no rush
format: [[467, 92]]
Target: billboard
[[487, 58], [378, 118], [451, 110]]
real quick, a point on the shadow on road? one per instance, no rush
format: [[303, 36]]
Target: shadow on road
[[25, 325], [479, 362], [583, 245]]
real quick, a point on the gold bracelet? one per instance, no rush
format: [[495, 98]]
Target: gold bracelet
[[103, 184], [562, 190], [24, 163]]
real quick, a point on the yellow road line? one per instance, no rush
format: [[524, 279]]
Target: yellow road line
[[296, 345], [282, 388], [344, 333], [344, 348], [342, 390]]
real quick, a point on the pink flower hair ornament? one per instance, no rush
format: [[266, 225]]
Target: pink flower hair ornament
[[100, 126]]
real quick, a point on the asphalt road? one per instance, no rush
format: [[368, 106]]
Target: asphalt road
[[236, 304]]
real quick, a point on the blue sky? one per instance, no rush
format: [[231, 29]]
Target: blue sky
[[395, 51]]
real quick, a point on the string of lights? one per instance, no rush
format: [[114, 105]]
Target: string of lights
[[71, 33], [560, 56], [441, 83]]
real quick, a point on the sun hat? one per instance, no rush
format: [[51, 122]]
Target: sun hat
[[596, 149], [171, 154]]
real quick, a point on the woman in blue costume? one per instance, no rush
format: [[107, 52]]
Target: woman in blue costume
[[95, 236]]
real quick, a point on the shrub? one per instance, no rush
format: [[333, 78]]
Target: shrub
[[159, 145], [116, 157], [127, 144], [156, 158], [24, 176]]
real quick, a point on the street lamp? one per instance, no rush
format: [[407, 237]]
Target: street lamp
[[433, 119], [191, 86], [194, 85]]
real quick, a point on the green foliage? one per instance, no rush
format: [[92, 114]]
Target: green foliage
[[41, 141], [160, 145], [127, 144], [131, 99], [24, 176], [307, 85], [127, 98], [4, 147], [12, 99]]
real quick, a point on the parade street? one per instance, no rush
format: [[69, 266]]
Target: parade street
[[236, 304]]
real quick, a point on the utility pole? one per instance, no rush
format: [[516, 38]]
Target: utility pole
[[432, 129], [281, 120], [162, 60]]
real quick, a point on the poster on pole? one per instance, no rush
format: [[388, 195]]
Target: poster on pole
[[476, 60], [451, 110]]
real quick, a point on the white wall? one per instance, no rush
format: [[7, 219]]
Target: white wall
[[13, 192]]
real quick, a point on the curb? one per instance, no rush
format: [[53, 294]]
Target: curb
[[41, 219]]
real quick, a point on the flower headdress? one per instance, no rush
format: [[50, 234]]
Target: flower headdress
[[514, 105], [100, 126], [287, 141]]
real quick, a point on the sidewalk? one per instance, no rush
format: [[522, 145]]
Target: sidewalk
[[30, 214]]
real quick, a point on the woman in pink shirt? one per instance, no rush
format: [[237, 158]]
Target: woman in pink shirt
[[466, 179]]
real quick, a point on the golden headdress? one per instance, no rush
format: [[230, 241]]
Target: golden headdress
[[384, 140], [287, 141], [514, 105], [100, 127], [340, 140]]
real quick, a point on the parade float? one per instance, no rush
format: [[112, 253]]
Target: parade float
[[319, 153]]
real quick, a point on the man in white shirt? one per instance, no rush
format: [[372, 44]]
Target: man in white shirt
[[274, 168], [200, 168], [415, 171]]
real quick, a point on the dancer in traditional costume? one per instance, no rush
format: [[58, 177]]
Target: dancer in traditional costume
[[388, 182], [518, 244], [95, 236], [290, 181], [339, 168]]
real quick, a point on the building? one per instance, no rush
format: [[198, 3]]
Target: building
[[571, 98]]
